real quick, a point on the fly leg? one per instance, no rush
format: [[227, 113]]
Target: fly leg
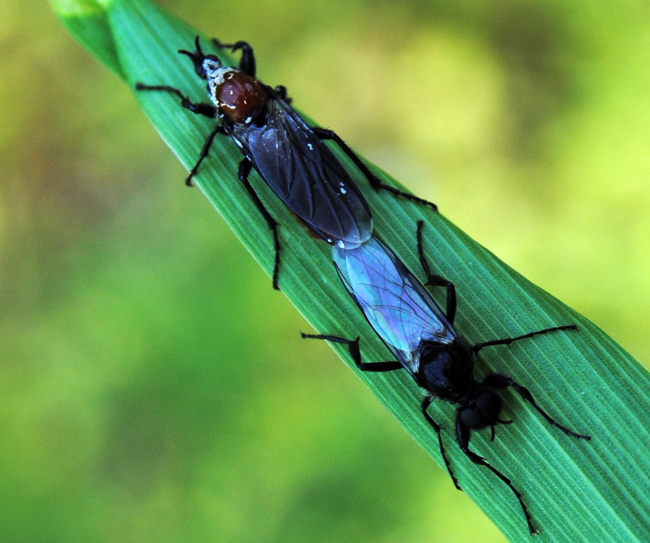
[[374, 181], [463, 435], [436, 280], [218, 129], [247, 62], [501, 381], [244, 170], [355, 353], [281, 92], [507, 341], [425, 405], [200, 108]]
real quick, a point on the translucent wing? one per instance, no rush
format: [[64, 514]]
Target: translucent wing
[[395, 303], [306, 175]]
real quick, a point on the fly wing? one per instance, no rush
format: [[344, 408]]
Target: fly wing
[[306, 175], [395, 303]]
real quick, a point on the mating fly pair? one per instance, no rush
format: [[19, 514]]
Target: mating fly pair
[[287, 153], [304, 173]]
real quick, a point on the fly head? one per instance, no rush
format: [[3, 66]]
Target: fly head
[[198, 59], [482, 411], [239, 97]]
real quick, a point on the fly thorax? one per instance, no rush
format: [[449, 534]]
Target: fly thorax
[[238, 96], [445, 369]]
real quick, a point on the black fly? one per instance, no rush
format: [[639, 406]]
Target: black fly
[[288, 154], [424, 342]]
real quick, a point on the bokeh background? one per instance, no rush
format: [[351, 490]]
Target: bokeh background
[[153, 388]]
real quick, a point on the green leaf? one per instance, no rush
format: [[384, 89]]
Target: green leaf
[[575, 490], [87, 21]]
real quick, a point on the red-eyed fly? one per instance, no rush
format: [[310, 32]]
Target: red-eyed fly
[[287, 153], [424, 342]]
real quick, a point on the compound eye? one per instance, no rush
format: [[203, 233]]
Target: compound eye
[[471, 418]]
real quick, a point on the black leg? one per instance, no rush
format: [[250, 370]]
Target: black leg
[[281, 92], [204, 153], [436, 280], [425, 405], [208, 110], [244, 169], [200, 108], [247, 62], [355, 353], [501, 381], [325, 134], [507, 341], [463, 435]]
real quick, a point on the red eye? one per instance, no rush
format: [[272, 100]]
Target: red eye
[[240, 97]]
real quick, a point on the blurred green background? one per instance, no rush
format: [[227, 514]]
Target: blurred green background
[[154, 387]]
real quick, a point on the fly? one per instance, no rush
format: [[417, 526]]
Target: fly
[[423, 340], [287, 153]]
